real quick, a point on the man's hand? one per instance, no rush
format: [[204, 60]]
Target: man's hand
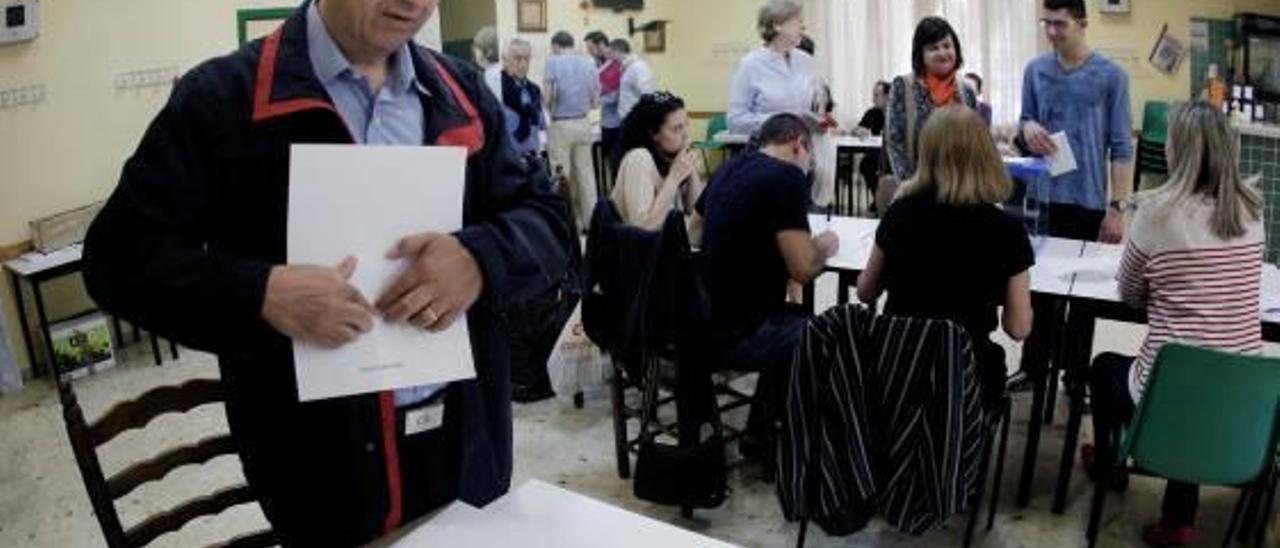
[[1112, 230], [317, 304], [1038, 139], [440, 285], [828, 244]]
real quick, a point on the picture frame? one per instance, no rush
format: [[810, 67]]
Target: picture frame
[[1114, 6], [255, 23], [1168, 53], [531, 16], [655, 38]]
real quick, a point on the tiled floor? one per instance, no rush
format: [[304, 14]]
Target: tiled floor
[[43, 502]]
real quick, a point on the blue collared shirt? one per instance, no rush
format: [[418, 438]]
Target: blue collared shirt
[[389, 116], [1091, 104], [576, 82]]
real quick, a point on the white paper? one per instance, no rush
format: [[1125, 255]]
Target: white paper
[[359, 201], [1064, 161]]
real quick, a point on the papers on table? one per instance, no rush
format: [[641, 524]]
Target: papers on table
[[539, 515], [359, 201], [1271, 291], [1101, 268], [1064, 161]]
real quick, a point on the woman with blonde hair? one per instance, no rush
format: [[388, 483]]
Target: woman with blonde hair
[[945, 250], [1194, 261]]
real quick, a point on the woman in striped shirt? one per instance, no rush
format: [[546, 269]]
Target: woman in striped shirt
[[1194, 260]]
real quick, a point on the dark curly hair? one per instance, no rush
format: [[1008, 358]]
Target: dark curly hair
[[932, 30], [644, 122]]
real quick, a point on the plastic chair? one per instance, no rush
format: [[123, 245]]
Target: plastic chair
[[718, 123], [1155, 132], [1155, 122], [1208, 417]]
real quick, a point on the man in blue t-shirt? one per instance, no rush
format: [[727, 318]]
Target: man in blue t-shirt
[[1080, 92], [756, 238]]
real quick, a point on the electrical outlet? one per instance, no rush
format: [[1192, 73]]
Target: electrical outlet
[[145, 78]]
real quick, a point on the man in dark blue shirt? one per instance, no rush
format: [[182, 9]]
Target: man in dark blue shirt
[[756, 238]]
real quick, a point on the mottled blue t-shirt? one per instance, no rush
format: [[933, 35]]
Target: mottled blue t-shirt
[[1091, 104]]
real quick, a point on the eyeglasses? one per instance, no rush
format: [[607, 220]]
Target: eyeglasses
[[1058, 24], [664, 97]]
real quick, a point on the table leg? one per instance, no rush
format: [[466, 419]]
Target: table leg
[[19, 301], [843, 285], [52, 365], [1079, 345], [1032, 450]]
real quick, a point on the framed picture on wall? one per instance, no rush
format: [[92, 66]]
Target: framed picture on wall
[[531, 16], [1113, 6], [252, 24], [655, 38], [1168, 52]]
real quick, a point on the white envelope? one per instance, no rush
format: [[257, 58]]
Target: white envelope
[[1064, 161]]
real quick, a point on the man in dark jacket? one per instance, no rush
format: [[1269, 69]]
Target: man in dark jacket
[[192, 245]]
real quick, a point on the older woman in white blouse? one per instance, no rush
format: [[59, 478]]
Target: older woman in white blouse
[[778, 77]]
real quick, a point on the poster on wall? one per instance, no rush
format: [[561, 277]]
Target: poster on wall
[[1168, 52]]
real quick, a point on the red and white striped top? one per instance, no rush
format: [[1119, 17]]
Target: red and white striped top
[[1197, 288]]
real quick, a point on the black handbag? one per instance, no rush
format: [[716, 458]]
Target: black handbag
[[692, 474]]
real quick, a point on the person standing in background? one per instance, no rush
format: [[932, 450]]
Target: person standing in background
[[572, 90], [610, 71], [984, 108], [778, 77], [522, 100], [637, 81], [484, 50]]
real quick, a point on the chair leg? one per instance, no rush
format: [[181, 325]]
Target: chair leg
[[620, 426], [1249, 519], [155, 349], [173, 350], [976, 500], [1099, 501], [1265, 519], [1235, 516], [1002, 452], [1075, 400], [804, 528]]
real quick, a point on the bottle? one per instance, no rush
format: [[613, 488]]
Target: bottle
[[1216, 87]]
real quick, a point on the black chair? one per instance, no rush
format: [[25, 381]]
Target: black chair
[[644, 301], [136, 414]]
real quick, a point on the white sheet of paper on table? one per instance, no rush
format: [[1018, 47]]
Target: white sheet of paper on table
[[1064, 161], [359, 201], [1271, 291]]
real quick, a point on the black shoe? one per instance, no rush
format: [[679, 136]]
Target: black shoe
[[530, 394], [1019, 382]]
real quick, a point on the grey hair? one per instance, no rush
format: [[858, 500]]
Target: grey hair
[[774, 13], [486, 43], [1203, 163], [518, 43]]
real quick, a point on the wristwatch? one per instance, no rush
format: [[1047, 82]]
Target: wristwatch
[[1118, 206]]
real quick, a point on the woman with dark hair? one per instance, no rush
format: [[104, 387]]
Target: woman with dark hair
[[936, 59], [658, 172]]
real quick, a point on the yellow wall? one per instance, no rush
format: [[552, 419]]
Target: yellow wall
[[1136, 34], [68, 150]]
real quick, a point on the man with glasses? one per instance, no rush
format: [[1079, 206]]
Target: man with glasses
[[1077, 91]]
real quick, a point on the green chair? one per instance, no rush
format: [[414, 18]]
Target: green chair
[[718, 123], [1150, 157], [1209, 418]]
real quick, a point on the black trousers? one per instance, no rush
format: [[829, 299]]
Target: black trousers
[[768, 351], [1113, 408], [1065, 221]]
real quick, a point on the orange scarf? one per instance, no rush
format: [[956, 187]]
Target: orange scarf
[[941, 90]]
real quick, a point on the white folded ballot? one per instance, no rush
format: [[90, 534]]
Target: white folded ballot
[[359, 201], [1063, 161]]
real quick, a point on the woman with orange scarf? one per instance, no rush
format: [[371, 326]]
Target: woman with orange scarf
[[934, 83]]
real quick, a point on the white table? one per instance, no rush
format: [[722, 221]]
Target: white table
[[868, 143], [38, 268], [539, 515]]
